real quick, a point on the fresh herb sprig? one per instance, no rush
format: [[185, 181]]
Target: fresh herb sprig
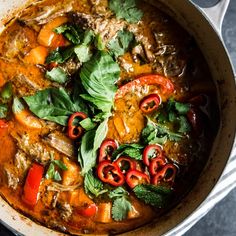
[[153, 195], [52, 173], [121, 204], [126, 9], [92, 185]]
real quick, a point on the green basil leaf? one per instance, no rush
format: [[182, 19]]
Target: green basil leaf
[[60, 164], [98, 77], [126, 9], [88, 37], [98, 43], [87, 124], [53, 104], [83, 53], [3, 110], [119, 45], [100, 134], [17, 105], [92, 185], [50, 172], [132, 150], [57, 176], [87, 155], [6, 92], [60, 55], [58, 75]]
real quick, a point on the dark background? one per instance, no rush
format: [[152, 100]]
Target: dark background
[[221, 220]]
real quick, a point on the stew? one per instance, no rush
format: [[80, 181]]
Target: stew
[[108, 113]]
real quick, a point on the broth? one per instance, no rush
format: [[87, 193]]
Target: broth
[[108, 114]]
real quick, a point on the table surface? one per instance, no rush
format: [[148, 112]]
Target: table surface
[[221, 219]]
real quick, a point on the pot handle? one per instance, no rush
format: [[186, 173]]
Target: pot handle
[[216, 14]]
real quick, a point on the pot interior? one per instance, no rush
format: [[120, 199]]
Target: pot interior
[[186, 14]]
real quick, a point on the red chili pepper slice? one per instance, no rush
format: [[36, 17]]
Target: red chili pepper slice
[[165, 83], [75, 131], [136, 177], [110, 173], [108, 146], [150, 103], [151, 151], [156, 165], [166, 174], [125, 164], [32, 183], [88, 211]]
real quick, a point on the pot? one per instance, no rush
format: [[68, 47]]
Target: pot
[[205, 26]]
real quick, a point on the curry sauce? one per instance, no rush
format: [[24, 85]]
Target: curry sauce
[[107, 114]]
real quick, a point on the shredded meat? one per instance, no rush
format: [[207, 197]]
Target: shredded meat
[[12, 178], [61, 143], [65, 210], [45, 14], [106, 27], [36, 151], [21, 162], [71, 66]]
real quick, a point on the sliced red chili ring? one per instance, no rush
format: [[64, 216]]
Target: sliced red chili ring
[[110, 173], [125, 164], [75, 131], [156, 165], [151, 151], [150, 103], [108, 146], [166, 174], [136, 177]]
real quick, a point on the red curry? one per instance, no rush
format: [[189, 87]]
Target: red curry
[[107, 114]]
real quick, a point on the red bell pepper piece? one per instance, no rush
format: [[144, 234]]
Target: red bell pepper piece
[[156, 165], [151, 151], [125, 164], [165, 84], [88, 211], [136, 177], [166, 174], [32, 183], [110, 173], [150, 103], [108, 146], [75, 131]]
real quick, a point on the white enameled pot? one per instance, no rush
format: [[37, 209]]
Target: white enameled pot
[[205, 25]]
